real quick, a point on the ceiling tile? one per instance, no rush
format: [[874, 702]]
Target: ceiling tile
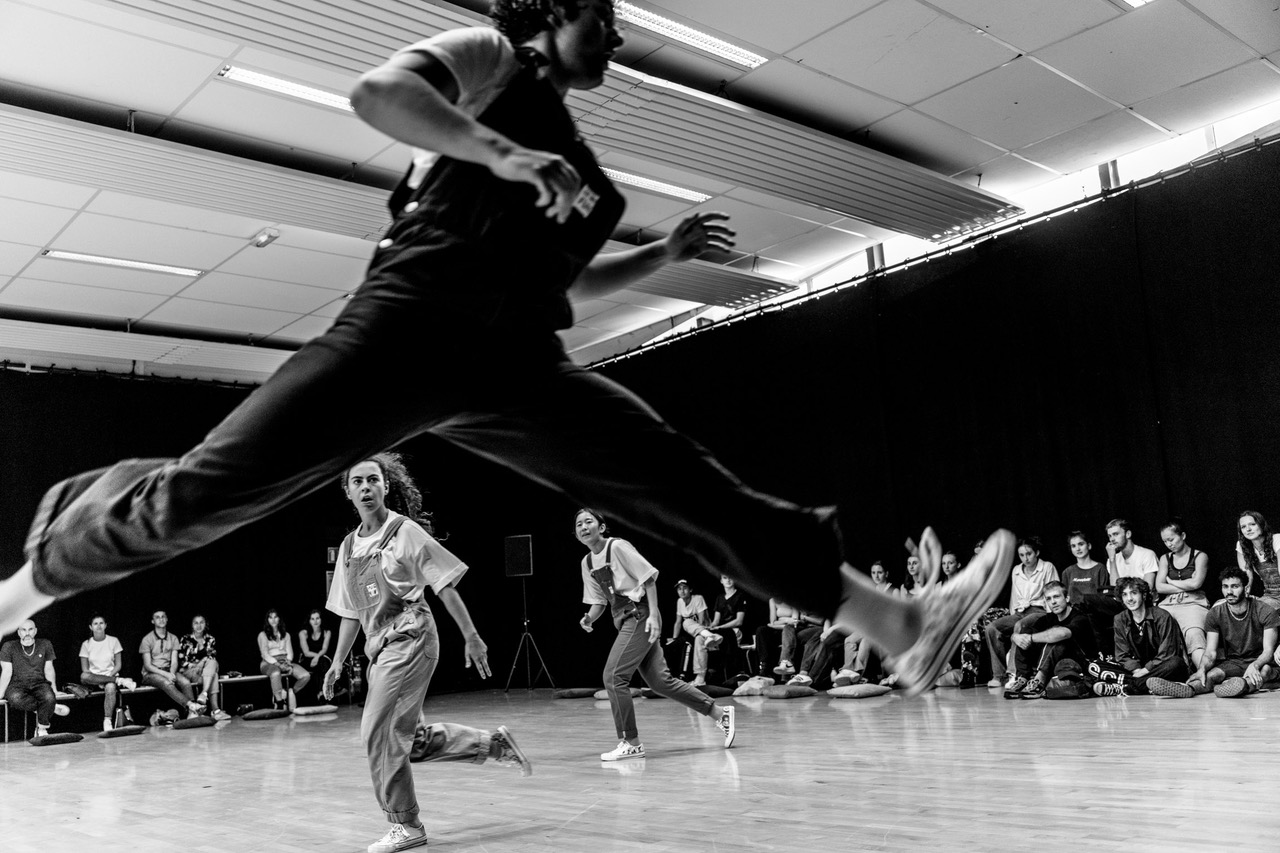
[[35, 44], [320, 241], [218, 317], [1142, 53], [645, 210], [819, 248], [788, 89], [304, 329], [1221, 96], [258, 293], [284, 263], [903, 51], [15, 256], [116, 278], [1017, 104], [1009, 175], [332, 308], [77, 299], [1098, 141], [1254, 22], [774, 26], [30, 223], [117, 17], [43, 190], [1031, 24], [178, 215], [620, 318], [146, 241], [928, 142], [808, 213]]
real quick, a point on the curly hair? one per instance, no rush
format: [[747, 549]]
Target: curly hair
[[1247, 548], [1138, 585], [403, 495], [521, 20]]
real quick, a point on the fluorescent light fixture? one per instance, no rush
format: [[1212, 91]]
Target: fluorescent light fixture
[[284, 87], [59, 255], [1136, 3], [675, 31], [266, 237], [655, 186]]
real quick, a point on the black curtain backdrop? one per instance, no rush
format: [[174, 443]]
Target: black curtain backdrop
[[1119, 360]]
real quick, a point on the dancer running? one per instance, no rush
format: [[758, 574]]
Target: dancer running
[[498, 221], [383, 569], [615, 577]]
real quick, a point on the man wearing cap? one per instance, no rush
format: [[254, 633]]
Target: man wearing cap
[[689, 626]]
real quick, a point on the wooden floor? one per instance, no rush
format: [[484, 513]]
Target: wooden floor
[[952, 771]]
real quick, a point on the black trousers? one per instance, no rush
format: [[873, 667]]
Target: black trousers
[[426, 346]]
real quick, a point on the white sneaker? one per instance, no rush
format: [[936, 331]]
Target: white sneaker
[[195, 709], [61, 710], [106, 724], [784, 667], [399, 837], [623, 751], [127, 683], [801, 679], [221, 715], [727, 725], [698, 682], [996, 682]]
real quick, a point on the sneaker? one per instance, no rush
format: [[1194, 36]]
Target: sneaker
[[713, 642], [221, 715], [1108, 688], [623, 751], [511, 755], [950, 609], [400, 837], [996, 682], [107, 725], [727, 724], [1232, 688], [127, 683], [195, 709], [801, 679], [699, 681], [41, 731], [784, 667], [846, 677], [1014, 688], [61, 710], [203, 698], [1033, 690], [1162, 687]]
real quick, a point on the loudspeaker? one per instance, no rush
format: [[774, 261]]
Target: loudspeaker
[[519, 556]]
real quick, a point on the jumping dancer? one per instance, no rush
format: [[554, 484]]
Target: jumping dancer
[[497, 222], [379, 582], [615, 577]]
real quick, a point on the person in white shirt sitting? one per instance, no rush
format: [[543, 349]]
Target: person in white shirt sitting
[[101, 659]]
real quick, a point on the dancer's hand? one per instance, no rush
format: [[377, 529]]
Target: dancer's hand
[[654, 626], [585, 623], [476, 652], [556, 181], [698, 233], [330, 679]]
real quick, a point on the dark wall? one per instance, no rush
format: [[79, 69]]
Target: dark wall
[[1119, 360]]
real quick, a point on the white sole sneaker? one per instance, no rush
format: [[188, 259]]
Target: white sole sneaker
[[728, 725], [623, 752]]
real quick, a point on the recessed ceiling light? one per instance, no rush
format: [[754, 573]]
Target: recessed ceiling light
[[1136, 3], [58, 254], [285, 87], [633, 14], [655, 186]]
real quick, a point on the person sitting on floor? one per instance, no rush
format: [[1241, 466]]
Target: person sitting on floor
[[27, 678], [1148, 642], [275, 648], [198, 663], [1042, 642], [101, 662], [1240, 645], [159, 650], [1026, 601]]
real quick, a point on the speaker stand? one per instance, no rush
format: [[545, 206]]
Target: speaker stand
[[528, 647]]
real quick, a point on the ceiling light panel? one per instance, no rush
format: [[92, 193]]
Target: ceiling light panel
[[280, 86], [59, 255], [655, 186], [676, 31]]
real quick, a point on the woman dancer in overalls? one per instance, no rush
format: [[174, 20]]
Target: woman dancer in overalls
[[617, 578], [383, 569]]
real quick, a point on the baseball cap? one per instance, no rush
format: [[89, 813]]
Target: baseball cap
[[683, 581]]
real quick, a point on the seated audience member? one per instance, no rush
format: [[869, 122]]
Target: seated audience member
[[198, 664], [101, 662], [727, 620], [1086, 576], [1124, 560], [857, 650], [776, 639], [276, 650], [1026, 600], [820, 643], [1148, 642], [689, 628], [914, 583], [27, 678], [968, 654], [1180, 581], [1256, 548], [1044, 640], [159, 650], [1240, 645], [314, 642]]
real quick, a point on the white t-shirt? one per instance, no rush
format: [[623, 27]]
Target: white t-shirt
[[630, 573], [481, 60], [102, 656], [412, 560], [1141, 562], [691, 608]]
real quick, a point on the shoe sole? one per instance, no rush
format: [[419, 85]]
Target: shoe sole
[[628, 757], [1172, 689], [526, 766], [407, 845], [1002, 541], [1232, 688], [732, 731]]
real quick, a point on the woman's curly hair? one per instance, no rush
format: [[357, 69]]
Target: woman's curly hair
[[521, 20], [403, 495]]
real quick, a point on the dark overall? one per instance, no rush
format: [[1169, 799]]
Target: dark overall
[[633, 650], [471, 285]]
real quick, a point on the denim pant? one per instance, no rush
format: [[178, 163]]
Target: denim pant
[[37, 696], [507, 393], [179, 690], [632, 650]]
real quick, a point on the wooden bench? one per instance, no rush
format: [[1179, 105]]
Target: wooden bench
[[137, 691]]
